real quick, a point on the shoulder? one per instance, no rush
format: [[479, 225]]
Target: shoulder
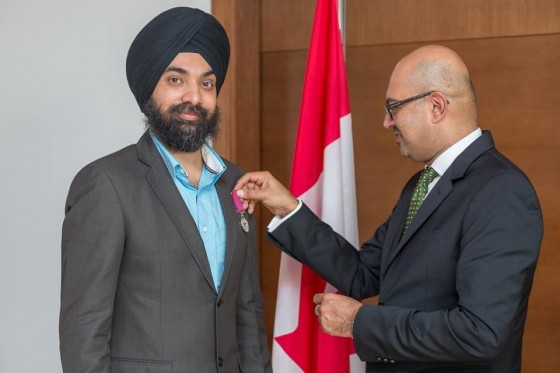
[[117, 160], [121, 164], [233, 170], [493, 166], [105, 170], [496, 184]]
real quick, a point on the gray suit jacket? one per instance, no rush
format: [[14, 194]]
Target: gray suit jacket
[[137, 291], [453, 290]]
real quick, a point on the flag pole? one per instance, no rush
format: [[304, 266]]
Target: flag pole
[[342, 23]]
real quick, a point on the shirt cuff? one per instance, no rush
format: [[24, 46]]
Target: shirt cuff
[[277, 220]]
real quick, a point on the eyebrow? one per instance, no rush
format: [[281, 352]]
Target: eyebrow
[[181, 70]]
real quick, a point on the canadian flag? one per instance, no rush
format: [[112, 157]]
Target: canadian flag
[[323, 178]]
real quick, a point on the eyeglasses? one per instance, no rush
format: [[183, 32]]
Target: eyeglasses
[[391, 105]]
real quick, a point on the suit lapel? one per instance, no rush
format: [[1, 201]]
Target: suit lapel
[[224, 188], [159, 179], [430, 204], [436, 196], [396, 227]]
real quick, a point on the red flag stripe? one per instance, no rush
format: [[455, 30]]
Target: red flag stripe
[[324, 99], [299, 341]]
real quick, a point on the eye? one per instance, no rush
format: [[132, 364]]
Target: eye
[[174, 80], [208, 84]]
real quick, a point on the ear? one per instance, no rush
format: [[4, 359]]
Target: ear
[[439, 106]]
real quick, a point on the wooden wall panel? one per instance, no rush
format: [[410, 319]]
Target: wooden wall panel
[[286, 25], [283, 74], [239, 139], [402, 21]]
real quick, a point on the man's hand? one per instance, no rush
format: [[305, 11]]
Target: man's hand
[[336, 313], [263, 187]]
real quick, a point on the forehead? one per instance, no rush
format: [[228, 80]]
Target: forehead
[[399, 82], [191, 62]]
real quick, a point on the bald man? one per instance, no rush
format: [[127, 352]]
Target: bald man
[[453, 264], [159, 269]]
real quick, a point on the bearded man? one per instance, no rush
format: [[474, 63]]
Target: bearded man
[[159, 270]]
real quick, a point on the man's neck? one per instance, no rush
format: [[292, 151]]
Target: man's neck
[[192, 163]]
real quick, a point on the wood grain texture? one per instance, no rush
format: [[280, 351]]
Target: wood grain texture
[[239, 139], [282, 83], [403, 21], [286, 25]]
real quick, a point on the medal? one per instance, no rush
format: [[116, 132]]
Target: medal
[[243, 222]]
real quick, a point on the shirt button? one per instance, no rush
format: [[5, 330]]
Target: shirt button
[[204, 229]]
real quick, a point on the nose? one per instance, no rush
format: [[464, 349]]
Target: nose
[[191, 94], [388, 122]]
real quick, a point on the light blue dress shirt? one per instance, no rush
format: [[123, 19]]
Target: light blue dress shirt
[[203, 203]]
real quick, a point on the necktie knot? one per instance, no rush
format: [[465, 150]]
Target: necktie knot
[[419, 193]]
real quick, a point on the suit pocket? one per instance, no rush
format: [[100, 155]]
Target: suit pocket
[[123, 365]]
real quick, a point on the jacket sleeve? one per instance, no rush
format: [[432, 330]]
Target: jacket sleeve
[[314, 243], [251, 333], [92, 246]]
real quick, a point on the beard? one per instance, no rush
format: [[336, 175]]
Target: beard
[[178, 133]]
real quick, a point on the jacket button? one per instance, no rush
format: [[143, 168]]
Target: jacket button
[[219, 303], [220, 361]]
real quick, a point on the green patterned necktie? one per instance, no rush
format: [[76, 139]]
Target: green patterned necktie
[[419, 193]]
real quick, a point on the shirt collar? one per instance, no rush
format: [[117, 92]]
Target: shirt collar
[[445, 159], [212, 161]]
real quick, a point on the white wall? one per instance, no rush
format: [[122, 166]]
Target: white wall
[[64, 101]]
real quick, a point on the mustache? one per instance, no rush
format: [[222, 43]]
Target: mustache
[[186, 108]]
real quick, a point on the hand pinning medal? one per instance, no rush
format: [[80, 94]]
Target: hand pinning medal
[[241, 210]]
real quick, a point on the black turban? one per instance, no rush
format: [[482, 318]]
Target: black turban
[[174, 31]]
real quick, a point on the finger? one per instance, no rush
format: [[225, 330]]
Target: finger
[[251, 207], [241, 193], [332, 297], [253, 177], [318, 298], [253, 194]]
